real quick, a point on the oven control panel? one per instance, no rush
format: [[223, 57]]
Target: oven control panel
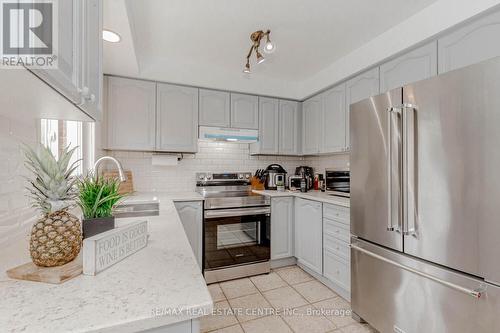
[[222, 176]]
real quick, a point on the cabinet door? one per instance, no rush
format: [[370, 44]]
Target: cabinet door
[[282, 214], [176, 118], [67, 77], [359, 88], [309, 234], [244, 111], [416, 65], [311, 125], [214, 108], [333, 120], [191, 215], [268, 125], [92, 58], [473, 43], [289, 130], [130, 114]]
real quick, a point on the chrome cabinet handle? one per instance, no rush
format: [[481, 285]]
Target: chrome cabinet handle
[[476, 293]]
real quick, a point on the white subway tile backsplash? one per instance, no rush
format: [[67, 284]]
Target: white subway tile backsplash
[[15, 209], [212, 157]]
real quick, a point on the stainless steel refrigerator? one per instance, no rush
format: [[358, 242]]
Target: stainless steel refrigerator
[[425, 204]]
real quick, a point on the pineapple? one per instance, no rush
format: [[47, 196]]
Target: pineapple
[[56, 237]]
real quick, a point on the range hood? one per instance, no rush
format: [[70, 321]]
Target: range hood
[[239, 135]]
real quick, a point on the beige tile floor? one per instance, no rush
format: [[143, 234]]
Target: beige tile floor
[[286, 300]]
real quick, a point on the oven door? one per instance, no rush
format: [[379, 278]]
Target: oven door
[[235, 237]]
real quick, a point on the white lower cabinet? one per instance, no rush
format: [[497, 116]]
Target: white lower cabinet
[[337, 270], [191, 215], [309, 234], [336, 251], [282, 217]]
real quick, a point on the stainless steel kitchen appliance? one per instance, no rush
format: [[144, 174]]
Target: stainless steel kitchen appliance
[[307, 173], [274, 173], [236, 227], [425, 191], [338, 182], [294, 182]]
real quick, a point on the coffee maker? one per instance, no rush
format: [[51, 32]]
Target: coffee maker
[[307, 173]]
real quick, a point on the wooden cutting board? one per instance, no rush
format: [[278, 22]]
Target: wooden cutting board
[[127, 186], [54, 275]]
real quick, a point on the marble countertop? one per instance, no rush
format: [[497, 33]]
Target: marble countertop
[[311, 195], [135, 294]]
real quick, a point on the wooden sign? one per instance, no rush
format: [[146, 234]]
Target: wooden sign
[[106, 249]]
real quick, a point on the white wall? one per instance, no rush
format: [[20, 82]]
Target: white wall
[[421, 27], [212, 157], [15, 210]]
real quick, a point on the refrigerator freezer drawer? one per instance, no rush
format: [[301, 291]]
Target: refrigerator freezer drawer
[[397, 293]]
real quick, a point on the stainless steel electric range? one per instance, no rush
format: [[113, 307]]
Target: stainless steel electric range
[[236, 227]]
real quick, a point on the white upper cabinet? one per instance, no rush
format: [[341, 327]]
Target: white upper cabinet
[[358, 88], [268, 125], [130, 114], [309, 234], [79, 55], [92, 58], [282, 216], [473, 43], [176, 118], [215, 108], [416, 65], [311, 127], [289, 128], [67, 77], [333, 120], [244, 111]]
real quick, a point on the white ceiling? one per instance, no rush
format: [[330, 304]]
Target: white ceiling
[[204, 43]]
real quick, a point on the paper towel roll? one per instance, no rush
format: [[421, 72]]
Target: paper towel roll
[[164, 160]]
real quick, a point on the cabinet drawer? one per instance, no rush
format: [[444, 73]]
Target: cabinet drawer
[[337, 213], [337, 246], [336, 269], [336, 229]]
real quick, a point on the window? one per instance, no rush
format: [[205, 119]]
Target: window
[[59, 134]]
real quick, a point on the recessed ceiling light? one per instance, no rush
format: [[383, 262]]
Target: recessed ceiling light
[[110, 36]]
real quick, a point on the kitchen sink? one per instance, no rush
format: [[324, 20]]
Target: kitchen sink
[[136, 210]]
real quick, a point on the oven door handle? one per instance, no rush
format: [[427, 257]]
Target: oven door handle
[[237, 212]]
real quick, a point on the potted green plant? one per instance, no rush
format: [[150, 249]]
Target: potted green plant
[[97, 197]]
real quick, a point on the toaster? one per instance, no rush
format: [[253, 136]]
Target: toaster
[[294, 182]]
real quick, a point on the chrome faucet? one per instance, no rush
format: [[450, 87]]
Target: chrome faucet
[[121, 174]]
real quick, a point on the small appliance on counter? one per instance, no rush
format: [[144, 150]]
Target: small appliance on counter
[[274, 174], [294, 183], [338, 182], [307, 173]]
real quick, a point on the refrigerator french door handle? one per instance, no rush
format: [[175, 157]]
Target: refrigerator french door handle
[[476, 293], [393, 199], [409, 181]]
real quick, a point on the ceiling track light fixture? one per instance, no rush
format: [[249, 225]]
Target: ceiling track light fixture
[[256, 39]]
